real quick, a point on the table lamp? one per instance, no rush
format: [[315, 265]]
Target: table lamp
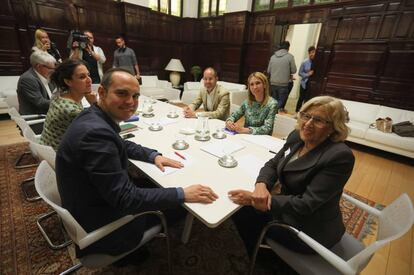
[[175, 67]]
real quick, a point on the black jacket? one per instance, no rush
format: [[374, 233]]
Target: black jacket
[[312, 186]]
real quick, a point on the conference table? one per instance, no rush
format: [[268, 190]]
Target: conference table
[[200, 165]]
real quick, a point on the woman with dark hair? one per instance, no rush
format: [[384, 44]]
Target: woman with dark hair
[[73, 83]]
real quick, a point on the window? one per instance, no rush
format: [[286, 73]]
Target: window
[[265, 5], [209, 8], [172, 7]]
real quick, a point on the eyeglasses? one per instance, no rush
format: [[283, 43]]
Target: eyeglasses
[[317, 121], [50, 68]]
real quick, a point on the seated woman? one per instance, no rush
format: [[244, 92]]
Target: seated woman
[[302, 185], [43, 43], [73, 83], [259, 110]]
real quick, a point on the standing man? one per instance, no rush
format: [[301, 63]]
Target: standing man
[[281, 67], [305, 71], [124, 57], [92, 55], [215, 99], [92, 163], [33, 88]]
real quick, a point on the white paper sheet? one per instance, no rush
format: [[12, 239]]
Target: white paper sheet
[[268, 142], [220, 147]]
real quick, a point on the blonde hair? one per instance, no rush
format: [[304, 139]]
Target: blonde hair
[[38, 33], [266, 87], [336, 112]]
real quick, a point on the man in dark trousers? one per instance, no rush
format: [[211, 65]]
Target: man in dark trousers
[[305, 71], [92, 169]]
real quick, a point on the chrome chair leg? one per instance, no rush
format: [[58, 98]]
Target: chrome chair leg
[[42, 230], [17, 164], [24, 186], [72, 269]]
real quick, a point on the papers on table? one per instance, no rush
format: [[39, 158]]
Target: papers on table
[[268, 142], [221, 147], [251, 165], [188, 161]]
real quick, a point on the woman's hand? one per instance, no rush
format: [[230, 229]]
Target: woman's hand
[[241, 197], [161, 161], [261, 198], [231, 125]]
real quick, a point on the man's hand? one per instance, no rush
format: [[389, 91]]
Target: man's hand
[[261, 198], [161, 161], [199, 193], [310, 73], [241, 197], [188, 113]]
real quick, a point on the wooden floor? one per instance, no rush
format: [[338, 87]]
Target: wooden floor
[[377, 176]]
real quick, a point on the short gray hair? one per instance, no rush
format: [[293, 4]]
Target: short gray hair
[[40, 57]]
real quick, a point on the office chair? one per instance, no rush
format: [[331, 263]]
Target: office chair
[[348, 256], [46, 186]]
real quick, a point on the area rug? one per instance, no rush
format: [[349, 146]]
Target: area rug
[[209, 251]]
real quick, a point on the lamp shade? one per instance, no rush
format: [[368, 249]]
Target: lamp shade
[[175, 66]]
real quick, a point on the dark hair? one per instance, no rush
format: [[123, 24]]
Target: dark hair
[[119, 37], [311, 49], [64, 71], [107, 77], [284, 45]]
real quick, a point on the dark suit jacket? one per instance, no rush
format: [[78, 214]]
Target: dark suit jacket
[[93, 182], [311, 187], [32, 95]]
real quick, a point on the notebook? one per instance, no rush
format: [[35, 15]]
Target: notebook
[[128, 127]]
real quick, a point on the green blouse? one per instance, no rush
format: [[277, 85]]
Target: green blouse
[[62, 112], [257, 117]]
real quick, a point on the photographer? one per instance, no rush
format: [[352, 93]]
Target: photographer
[[91, 54], [43, 43]]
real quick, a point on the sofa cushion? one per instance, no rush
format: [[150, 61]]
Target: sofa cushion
[[193, 86], [362, 112], [390, 139], [149, 80], [232, 86], [358, 129]]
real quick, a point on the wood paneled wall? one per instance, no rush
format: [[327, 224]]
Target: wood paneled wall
[[365, 50]]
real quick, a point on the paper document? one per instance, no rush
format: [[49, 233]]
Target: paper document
[[251, 165], [268, 142], [221, 147]]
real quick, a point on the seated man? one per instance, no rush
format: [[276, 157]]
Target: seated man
[[33, 88], [215, 100], [92, 163]]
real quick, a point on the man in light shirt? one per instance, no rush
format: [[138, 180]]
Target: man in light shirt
[[33, 88], [215, 99]]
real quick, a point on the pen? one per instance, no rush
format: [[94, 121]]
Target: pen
[[181, 156], [273, 152]]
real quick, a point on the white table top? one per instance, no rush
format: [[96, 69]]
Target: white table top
[[200, 166]]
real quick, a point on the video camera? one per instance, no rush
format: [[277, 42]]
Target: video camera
[[77, 36]]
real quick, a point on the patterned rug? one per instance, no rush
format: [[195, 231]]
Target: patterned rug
[[209, 251]]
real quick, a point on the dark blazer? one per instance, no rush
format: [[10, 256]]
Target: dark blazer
[[311, 187], [93, 181], [32, 95]]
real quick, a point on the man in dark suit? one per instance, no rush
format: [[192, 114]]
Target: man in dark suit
[[92, 163], [33, 89]]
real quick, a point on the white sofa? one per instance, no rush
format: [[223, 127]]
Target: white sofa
[[8, 94], [153, 87], [238, 92], [361, 115]]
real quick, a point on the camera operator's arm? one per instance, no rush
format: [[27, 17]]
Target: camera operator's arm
[[97, 53], [75, 52]]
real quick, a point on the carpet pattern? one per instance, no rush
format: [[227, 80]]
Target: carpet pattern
[[209, 251]]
